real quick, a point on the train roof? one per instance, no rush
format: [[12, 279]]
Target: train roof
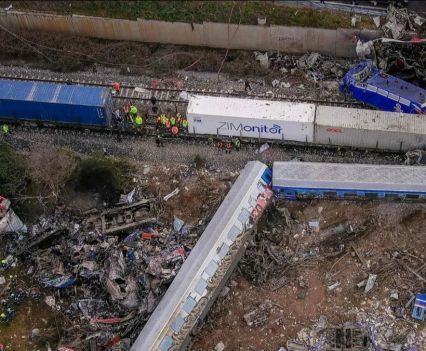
[[52, 93], [398, 87], [342, 117], [250, 108], [349, 176]]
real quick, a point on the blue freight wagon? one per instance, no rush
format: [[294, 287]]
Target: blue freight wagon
[[58, 103], [372, 86]]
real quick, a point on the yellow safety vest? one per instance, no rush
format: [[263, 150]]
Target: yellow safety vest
[[5, 129], [172, 121], [139, 120], [185, 123], [163, 119], [133, 110]]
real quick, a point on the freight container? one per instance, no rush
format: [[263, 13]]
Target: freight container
[[369, 129], [249, 118], [58, 103]]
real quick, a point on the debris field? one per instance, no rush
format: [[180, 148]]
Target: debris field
[[316, 267]]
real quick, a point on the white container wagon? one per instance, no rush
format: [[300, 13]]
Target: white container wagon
[[369, 129], [248, 118]]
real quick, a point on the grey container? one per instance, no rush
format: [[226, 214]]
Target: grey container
[[369, 129]]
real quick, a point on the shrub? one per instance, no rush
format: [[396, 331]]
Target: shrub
[[13, 178]]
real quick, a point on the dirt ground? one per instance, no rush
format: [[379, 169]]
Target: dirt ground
[[299, 290]]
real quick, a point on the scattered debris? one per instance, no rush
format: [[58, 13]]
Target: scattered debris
[[173, 193], [370, 283], [220, 346], [9, 221], [333, 286], [419, 307], [398, 22], [258, 316], [263, 148]]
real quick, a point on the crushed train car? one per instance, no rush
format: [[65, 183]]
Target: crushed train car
[[372, 86]]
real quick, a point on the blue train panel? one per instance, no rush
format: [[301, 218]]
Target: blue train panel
[[291, 193], [58, 103], [372, 86]]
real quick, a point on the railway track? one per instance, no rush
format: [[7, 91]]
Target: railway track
[[174, 96]]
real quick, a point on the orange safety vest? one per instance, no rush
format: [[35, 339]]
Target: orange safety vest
[[116, 86], [175, 130], [167, 124]]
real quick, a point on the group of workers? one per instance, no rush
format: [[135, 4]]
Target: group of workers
[[228, 145], [164, 123], [172, 124]]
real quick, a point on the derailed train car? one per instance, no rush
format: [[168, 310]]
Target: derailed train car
[[372, 86], [293, 180], [206, 270]]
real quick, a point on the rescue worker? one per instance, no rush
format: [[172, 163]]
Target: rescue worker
[[219, 146], [138, 121], [5, 129], [167, 123], [237, 144], [178, 120], [172, 121], [133, 113], [247, 85], [159, 140], [163, 119], [175, 130], [126, 110], [185, 123], [228, 147], [116, 88], [158, 123], [116, 118]]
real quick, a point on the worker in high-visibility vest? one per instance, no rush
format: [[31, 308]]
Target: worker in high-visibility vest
[[172, 121], [167, 123], [133, 113], [5, 129], [116, 88], [185, 123], [138, 121], [163, 119], [175, 130], [178, 119], [237, 144]]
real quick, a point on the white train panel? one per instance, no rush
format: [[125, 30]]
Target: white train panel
[[369, 129], [269, 120]]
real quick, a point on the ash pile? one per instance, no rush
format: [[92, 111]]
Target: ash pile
[[102, 272]]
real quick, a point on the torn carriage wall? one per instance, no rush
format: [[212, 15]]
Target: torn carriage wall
[[9, 221]]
